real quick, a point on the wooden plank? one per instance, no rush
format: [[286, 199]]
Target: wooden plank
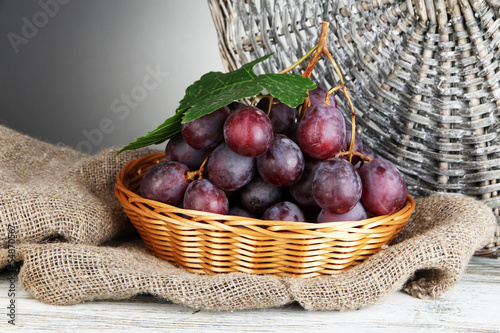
[[470, 306]]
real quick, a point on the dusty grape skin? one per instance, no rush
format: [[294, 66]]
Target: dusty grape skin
[[358, 213], [178, 150], [206, 132], [318, 95], [240, 211], [204, 195], [321, 131], [248, 131], [259, 195], [282, 116], [229, 170], [384, 189], [369, 152], [165, 182], [283, 163], [301, 191], [336, 186], [284, 211]]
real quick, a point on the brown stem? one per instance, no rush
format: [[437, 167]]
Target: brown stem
[[197, 174]]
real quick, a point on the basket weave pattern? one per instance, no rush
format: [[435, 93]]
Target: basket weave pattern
[[424, 77], [209, 243]]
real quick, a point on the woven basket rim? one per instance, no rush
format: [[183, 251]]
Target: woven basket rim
[[274, 225], [209, 243]]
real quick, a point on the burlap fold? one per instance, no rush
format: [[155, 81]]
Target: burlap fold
[[68, 196]]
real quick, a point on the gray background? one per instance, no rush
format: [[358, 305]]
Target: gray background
[[78, 72]]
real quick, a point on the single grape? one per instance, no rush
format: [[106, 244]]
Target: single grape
[[384, 189], [178, 150], [358, 143], [284, 211], [259, 195], [248, 131], [336, 186], [204, 195], [318, 95], [240, 211], [368, 151], [301, 191], [358, 213], [283, 163], [165, 182], [282, 116], [229, 170], [206, 132], [321, 131], [235, 105]]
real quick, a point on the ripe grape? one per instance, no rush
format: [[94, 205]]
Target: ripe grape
[[178, 150], [358, 213], [368, 151], [318, 95], [384, 189], [284, 211], [282, 116], [248, 131], [165, 182], [321, 131], [206, 132], [301, 191], [259, 195], [283, 163], [240, 211], [204, 195], [336, 186], [229, 170]]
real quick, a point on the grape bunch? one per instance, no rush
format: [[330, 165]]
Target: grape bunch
[[264, 162]]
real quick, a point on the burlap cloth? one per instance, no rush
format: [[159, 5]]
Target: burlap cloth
[[74, 243]]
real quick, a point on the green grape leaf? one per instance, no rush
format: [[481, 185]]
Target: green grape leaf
[[169, 128], [216, 89]]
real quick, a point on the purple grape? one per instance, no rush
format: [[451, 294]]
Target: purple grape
[[240, 211], [204, 195], [259, 195], [206, 132], [229, 170], [368, 152], [283, 163], [284, 211], [301, 191], [248, 131], [384, 189], [178, 150], [358, 213], [317, 96], [165, 182], [321, 131], [282, 116], [336, 186], [235, 105]]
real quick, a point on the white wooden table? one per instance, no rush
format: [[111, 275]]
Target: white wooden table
[[471, 306]]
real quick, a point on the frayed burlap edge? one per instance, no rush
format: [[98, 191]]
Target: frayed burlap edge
[[426, 260]]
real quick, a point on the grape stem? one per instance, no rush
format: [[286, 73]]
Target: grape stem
[[197, 174], [322, 49]]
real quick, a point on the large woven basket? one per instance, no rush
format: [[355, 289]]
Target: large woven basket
[[211, 243], [424, 78]]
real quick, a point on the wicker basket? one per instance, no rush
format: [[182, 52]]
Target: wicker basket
[[424, 77], [211, 243]]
